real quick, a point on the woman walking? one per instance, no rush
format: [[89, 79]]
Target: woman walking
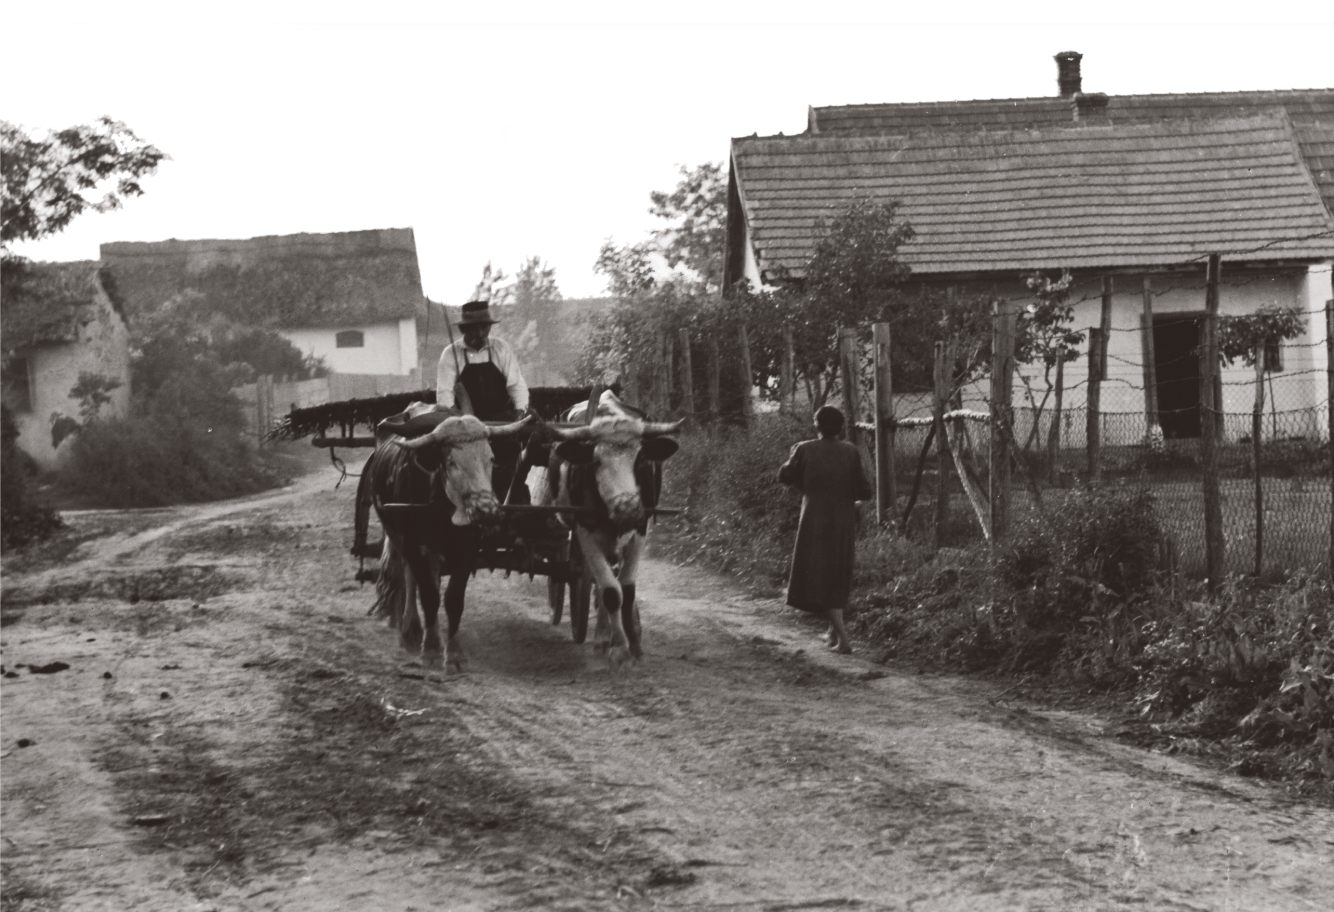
[[828, 472]]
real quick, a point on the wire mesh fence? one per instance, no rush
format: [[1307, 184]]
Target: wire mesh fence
[[1294, 480]]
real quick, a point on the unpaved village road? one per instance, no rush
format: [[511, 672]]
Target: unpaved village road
[[233, 732]]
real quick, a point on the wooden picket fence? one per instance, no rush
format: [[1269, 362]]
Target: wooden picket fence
[[268, 399]]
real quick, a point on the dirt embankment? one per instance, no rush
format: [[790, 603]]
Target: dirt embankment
[[233, 732]]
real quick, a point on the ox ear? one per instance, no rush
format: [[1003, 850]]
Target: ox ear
[[575, 452], [659, 448]]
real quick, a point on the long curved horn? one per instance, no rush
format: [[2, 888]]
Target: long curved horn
[[447, 431], [658, 428], [506, 430], [594, 398], [463, 400], [577, 433]]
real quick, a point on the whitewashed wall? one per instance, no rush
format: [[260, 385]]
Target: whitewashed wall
[[390, 348], [103, 348]]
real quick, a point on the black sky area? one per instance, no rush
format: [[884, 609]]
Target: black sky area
[[275, 132]]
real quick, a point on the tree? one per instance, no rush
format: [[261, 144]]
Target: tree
[[669, 283], [50, 180], [853, 279], [534, 322], [46, 183], [1045, 334], [1241, 337]]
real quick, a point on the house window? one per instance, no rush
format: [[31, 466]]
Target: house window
[[17, 384], [350, 338], [1273, 356]]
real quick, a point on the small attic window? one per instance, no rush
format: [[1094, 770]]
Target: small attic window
[[350, 338]]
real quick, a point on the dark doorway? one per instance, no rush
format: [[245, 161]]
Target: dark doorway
[[1176, 343]]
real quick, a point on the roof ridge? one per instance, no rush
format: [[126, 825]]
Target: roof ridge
[[1187, 125], [1063, 100]]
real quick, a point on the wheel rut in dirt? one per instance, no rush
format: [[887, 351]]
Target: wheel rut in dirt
[[233, 732]]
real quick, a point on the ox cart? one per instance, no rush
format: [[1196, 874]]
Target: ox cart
[[526, 540]]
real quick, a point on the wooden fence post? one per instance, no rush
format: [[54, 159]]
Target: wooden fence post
[[715, 408], [687, 376], [1005, 317], [1054, 435], [747, 378], [1150, 366], [939, 403], [1093, 423], [1257, 417], [786, 377], [850, 365], [886, 495], [1209, 420], [1329, 403]]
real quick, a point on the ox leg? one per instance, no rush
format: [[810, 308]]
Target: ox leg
[[426, 573], [408, 622], [629, 610], [455, 661], [609, 595]]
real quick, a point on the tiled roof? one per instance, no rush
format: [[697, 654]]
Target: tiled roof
[[294, 281], [1310, 110], [1155, 194]]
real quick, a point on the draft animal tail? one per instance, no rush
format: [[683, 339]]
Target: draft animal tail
[[365, 496], [390, 588]]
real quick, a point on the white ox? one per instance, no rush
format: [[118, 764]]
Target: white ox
[[610, 471]]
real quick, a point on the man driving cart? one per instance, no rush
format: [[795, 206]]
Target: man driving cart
[[487, 371]]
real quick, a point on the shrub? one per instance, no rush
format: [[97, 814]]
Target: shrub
[[1087, 551], [740, 517], [153, 461], [185, 443]]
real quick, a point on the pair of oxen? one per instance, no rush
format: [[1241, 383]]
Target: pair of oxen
[[432, 490]]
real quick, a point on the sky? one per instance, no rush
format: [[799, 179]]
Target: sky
[[503, 131]]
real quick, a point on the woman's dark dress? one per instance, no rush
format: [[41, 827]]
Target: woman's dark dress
[[830, 477]]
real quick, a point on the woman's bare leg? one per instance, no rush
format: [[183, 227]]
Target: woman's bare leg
[[841, 642]]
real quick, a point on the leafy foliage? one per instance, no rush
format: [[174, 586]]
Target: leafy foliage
[[50, 180], [1242, 335], [184, 442], [93, 391], [698, 207]]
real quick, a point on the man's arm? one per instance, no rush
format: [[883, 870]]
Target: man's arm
[[514, 381], [446, 375]]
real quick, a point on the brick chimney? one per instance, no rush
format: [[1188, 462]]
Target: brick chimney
[[1067, 72]]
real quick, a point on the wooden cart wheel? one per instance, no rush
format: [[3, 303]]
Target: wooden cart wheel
[[581, 589], [556, 598]]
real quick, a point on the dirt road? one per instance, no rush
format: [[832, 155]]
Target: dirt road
[[233, 732]]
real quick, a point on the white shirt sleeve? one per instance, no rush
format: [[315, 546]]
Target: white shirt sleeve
[[452, 360], [509, 366]]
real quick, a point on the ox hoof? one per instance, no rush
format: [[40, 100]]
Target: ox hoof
[[410, 640], [618, 657]]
